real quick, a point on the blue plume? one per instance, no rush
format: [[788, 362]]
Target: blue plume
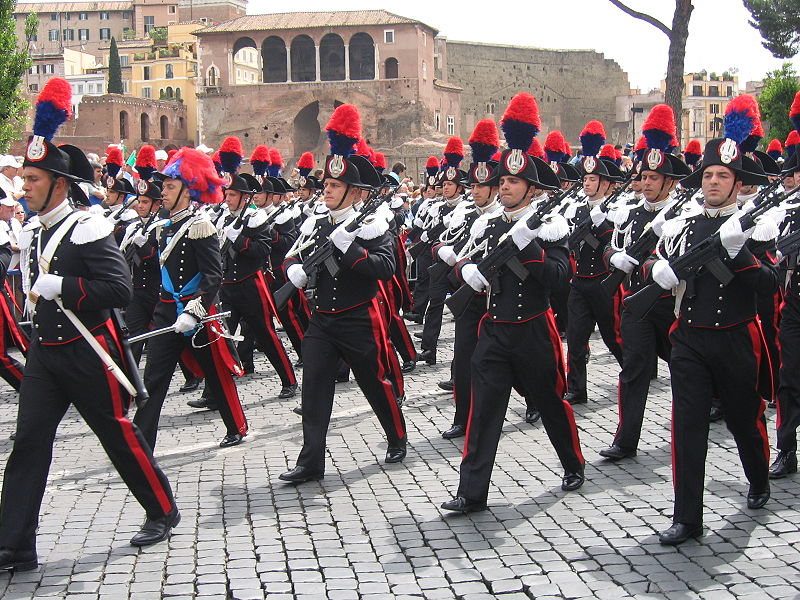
[[555, 155], [341, 145], [796, 121], [173, 170], [274, 170], [519, 135], [738, 125], [591, 143], [230, 161], [482, 152], [657, 139], [48, 119]]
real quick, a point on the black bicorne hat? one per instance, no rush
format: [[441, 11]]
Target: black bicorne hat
[[149, 189], [661, 162], [481, 173], [530, 168], [119, 184], [565, 172], [239, 184], [366, 172], [726, 152]]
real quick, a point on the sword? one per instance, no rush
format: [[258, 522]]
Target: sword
[[163, 330]]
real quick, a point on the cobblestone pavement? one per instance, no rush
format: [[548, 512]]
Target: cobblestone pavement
[[370, 531]]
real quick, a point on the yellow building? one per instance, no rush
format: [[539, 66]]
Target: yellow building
[[705, 97], [168, 71]]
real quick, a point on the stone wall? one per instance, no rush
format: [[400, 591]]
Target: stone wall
[[570, 86]]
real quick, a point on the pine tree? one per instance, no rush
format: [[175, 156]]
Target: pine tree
[[14, 63], [780, 87], [114, 70]]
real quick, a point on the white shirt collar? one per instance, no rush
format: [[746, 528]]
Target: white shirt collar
[[55, 216]]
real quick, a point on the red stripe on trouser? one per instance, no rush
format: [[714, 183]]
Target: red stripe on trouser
[[228, 387], [471, 399], [261, 283], [5, 359], [392, 316], [129, 435], [672, 328], [381, 341], [11, 297], [756, 339], [190, 362], [10, 322], [391, 355], [617, 316], [266, 308], [763, 344], [291, 310], [561, 381]]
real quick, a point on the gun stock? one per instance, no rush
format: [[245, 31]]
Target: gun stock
[[129, 362]]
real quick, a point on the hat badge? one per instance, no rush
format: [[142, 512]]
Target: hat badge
[[515, 161], [141, 186], [36, 149], [728, 151], [336, 166], [110, 182], [302, 181], [450, 173], [589, 164], [655, 158], [554, 166], [481, 172]]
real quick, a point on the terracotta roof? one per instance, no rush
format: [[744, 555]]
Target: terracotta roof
[[304, 20], [62, 7]]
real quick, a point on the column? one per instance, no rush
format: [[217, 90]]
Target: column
[[347, 62], [316, 58], [289, 64]]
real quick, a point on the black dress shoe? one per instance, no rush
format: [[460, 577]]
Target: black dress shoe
[[429, 356], [716, 414], [156, 530], [203, 402], [288, 391], [301, 474], [17, 560], [462, 505], [395, 452], [614, 452], [249, 368], [298, 410], [757, 499], [191, 384], [418, 335], [575, 398], [447, 386], [456, 431], [409, 366], [679, 533], [572, 481], [785, 463], [532, 415], [232, 439], [413, 317]]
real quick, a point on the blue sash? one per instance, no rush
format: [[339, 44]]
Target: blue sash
[[189, 289]]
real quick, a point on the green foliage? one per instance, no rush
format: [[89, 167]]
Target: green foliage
[[779, 24], [158, 34], [780, 87], [14, 63], [114, 70]]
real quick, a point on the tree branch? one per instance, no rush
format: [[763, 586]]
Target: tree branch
[[643, 17]]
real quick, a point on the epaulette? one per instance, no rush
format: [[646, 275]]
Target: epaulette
[[286, 216], [26, 235], [553, 228], [675, 225], [257, 219], [619, 213], [90, 228], [96, 209], [768, 225], [128, 215], [310, 224], [201, 227], [373, 226], [479, 225]]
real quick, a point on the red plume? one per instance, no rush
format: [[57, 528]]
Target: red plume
[[555, 141], [215, 158], [693, 147], [454, 146], [170, 154], [794, 111], [346, 121], [146, 157], [497, 156], [608, 151], [306, 161], [485, 132], [275, 157], [58, 92], [792, 139], [775, 146], [260, 153], [362, 148], [594, 128], [114, 155], [380, 160], [641, 144], [232, 144], [523, 107], [433, 162], [661, 117], [536, 149]]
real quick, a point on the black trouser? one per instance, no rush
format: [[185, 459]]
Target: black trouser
[[789, 387], [432, 325], [422, 284], [528, 353], [162, 356], [725, 361], [139, 316], [589, 304], [55, 377], [559, 296], [769, 316], [358, 336], [643, 342], [293, 316], [466, 338], [398, 332], [249, 304]]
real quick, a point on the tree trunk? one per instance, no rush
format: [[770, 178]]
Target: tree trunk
[[677, 52]]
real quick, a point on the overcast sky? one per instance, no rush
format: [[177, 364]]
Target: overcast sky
[[719, 34]]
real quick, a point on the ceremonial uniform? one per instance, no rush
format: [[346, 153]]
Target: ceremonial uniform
[[10, 369]]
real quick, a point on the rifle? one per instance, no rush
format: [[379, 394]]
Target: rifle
[[130, 250], [644, 246], [583, 231], [502, 255], [709, 254], [239, 222], [323, 255], [128, 361]]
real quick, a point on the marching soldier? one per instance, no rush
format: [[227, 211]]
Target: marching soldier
[[518, 341], [346, 321], [191, 274], [75, 274]]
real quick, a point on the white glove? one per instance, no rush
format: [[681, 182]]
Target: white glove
[[342, 238], [233, 233], [297, 276], [597, 215], [140, 239], [424, 236], [48, 286], [448, 255], [623, 261], [778, 256], [521, 235], [663, 274], [185, 322], [732, 236], [657, 224], [473, 278], [418, 222]]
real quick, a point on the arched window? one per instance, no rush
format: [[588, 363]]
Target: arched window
[[169, 93], [273, 57], [304, 59], [164, 126], [391, 67], [123, 125], [212, 76], [362, 56], [181, 124], [145, 127], [331, 58]]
